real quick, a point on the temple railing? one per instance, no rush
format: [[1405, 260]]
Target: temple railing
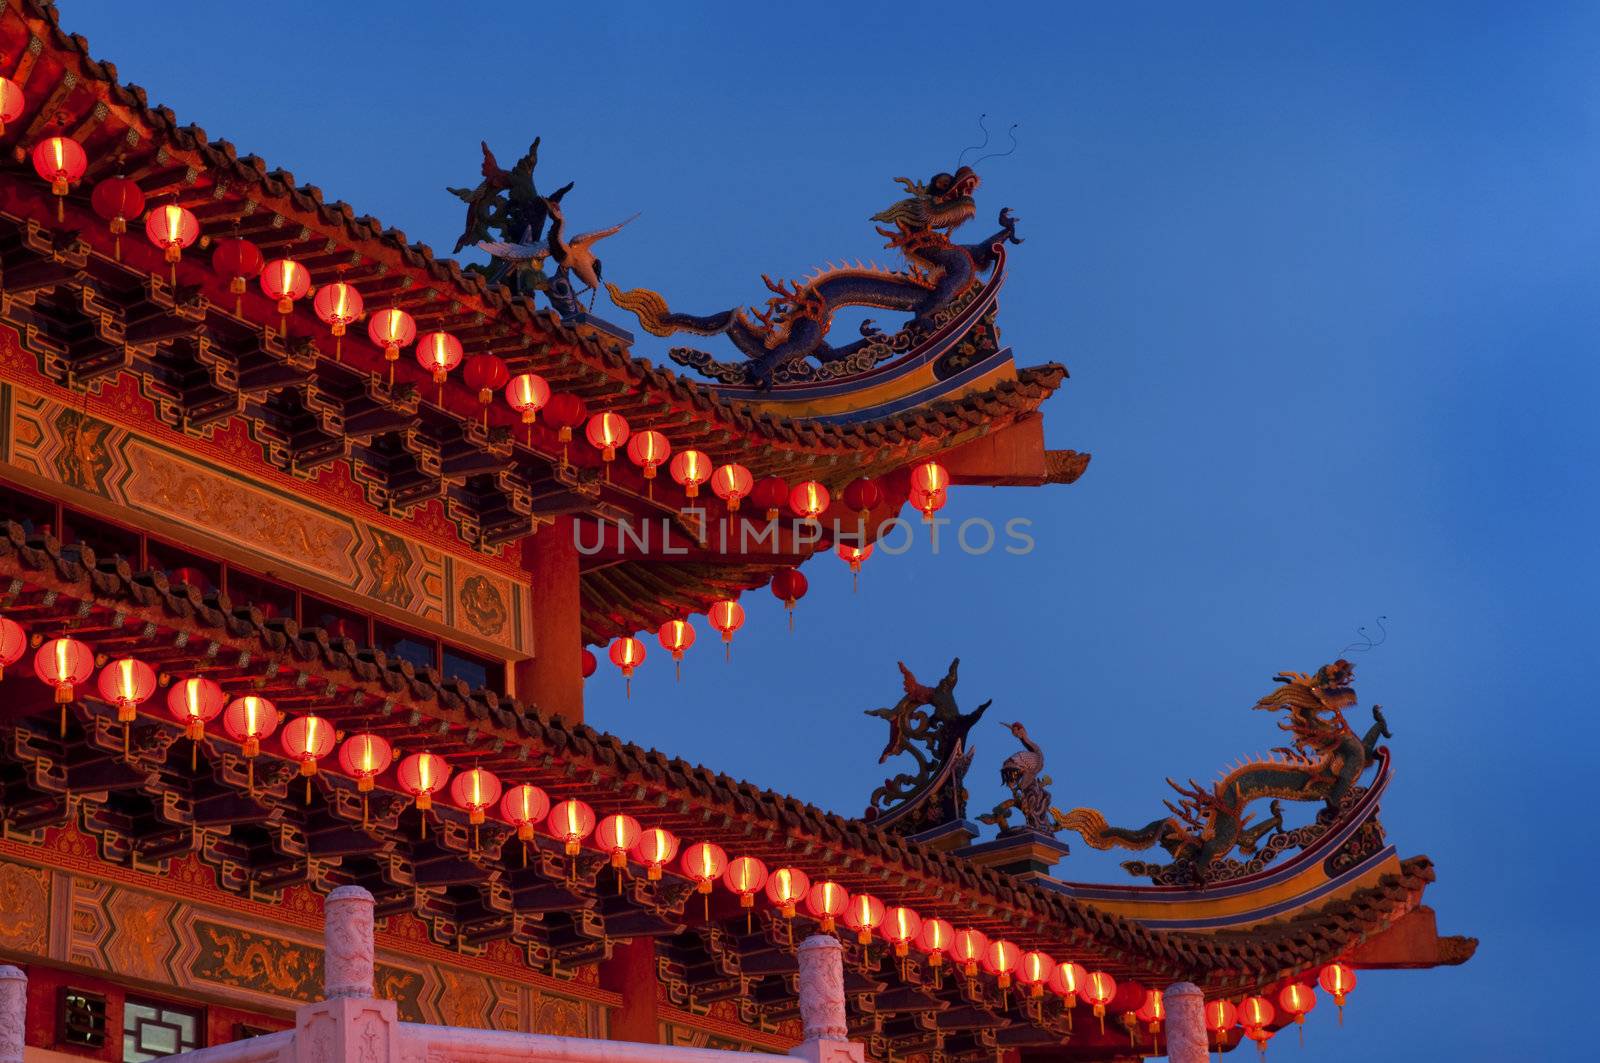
[[353, 1026]]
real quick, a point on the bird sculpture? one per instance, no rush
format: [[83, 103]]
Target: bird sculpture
[[576, 256], [1022, 767]]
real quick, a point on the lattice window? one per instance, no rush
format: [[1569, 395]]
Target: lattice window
[[151, 1030]]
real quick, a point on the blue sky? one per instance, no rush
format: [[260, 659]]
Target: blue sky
[[1325, 284]]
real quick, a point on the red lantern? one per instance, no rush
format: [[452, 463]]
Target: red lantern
[[194, 702], [864, 915], [626, 653], [1260, 1035], [704, 862], [861, 495], [241, 262], [438, 353], [732, 484], [607, 432], [744, 876], [475, 790], [1297, 1000], [691, 468], [590, 663], [655, 848], [1153, 1012], [930, 477], [1221, 1016], [12, 102], [126, 683], [61, 161], [422, 775], [525, 806], [248, 720], [1034, 971], [771, 493], [936, 939], [526, 393], [1067, 981], [1256, 1011], [565, 411], [675, 637], [1098, 989], [571, 821], [853, 556], [900, 927], [285, 280], [338, 304], [648, 449], [616, 834], [970, 945], [1001, 959], [118, 199], [64, 664], [365, 757], [308, 739], [13, 644], [827, 901], [1337, 980], [485, 374], [393, 329], [172, 228], [789, 586], [809, 500], [786, 888], [726, 616]]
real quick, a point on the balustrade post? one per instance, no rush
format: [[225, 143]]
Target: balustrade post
[[822, 1015], [350, 1025], [1186, 1023], [13, 1014]]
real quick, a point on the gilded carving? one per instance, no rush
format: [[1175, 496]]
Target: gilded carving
[[25, 900], [482, 605], [141, 935]]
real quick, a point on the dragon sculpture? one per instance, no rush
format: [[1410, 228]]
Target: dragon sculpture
[[1324, 763], [939, 276], [933, 794]]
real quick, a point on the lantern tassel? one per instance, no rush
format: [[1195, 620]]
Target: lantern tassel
[[250, 770], [63, 719], [194, 757], [308, 789], [125, 753], [364, 821]]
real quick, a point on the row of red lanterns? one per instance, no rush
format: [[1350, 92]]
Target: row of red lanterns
[[66, 664]]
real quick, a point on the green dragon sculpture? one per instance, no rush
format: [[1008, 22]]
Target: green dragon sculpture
[[1324, 762]]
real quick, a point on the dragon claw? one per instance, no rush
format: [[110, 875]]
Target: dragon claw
[[1008, 222]]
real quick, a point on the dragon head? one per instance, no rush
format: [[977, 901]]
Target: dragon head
[[943, 202]]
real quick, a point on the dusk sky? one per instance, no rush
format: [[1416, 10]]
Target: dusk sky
[[1326, 286]]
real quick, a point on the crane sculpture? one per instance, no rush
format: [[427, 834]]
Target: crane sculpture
[[1023, 774]]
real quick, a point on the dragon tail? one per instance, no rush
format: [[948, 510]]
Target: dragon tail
[[1092, 826], [654, 317]]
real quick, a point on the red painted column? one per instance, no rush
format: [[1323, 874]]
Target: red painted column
[[631, 971], [553, 679]]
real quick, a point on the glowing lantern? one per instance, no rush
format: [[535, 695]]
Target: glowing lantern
[[1337, 980], [626, 653], [861, 495], [771, 493], [648, 450], [744, 876], [853, 556], [864, 915], [248, 720], [936, 938], [476, 790], [525, 806], [1297, 1000], [970, 945], [1260, 1035], [438, 353], [1001, 959], [675, 637], [1066, 981], [422, 775], [930, 478], [926, 503], [365, 756], [126, 683], [732, 484], [1098, 989], [704, 862], [193, 702], [392, 329], [285, 280], [564, 412], [172, 228], [117, 199], [485, 374], [338, 304], [526, 393], [570, 822], [900, 927], [727, 616], [12, 102], [655, 848], [826, 901], [13, 644], [1256, 1012], [809, 500], [690, 468], [61, 161], [789, 586], [1034, 971], [1221, 1016], [308, 739], [616, 834], [241, 262], [64, 664], [590, 663], [607, 432], [787, 887]]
